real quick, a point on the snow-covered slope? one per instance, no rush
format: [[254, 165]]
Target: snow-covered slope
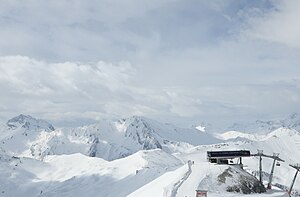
[[267, 126], [79, 175], [116, 139], [237, 135], [284, 141], [241, 136], [106, 139], [132, 157], [201, 175], [29, 123], [19, 132]]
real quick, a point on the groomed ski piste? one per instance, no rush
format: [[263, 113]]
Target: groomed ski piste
[[201, 173], [195, 174], [146, 173]]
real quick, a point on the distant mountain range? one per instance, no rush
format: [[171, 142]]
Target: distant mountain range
[[31, 137], [27, 136], [264, 127], [138, 156]]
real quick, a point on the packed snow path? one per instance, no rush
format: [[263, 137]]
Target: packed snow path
[[199, 171], [183, 179]]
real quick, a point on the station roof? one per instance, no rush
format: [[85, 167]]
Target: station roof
[[228, 154]]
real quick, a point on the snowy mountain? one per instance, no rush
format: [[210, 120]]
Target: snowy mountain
[[136, 156], [19, 132], [29, 123], [264, 127], [106, 139], [116, 139], [79, 175], [240, 136]]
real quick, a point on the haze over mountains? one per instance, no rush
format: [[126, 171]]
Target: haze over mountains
[[264, 126]]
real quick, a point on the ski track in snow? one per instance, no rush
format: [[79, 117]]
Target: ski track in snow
[[182, 180]]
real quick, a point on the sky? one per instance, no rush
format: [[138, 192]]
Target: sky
[[185, 62]]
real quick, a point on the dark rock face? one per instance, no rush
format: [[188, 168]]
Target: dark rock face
[[93, 149], [240, 181], [29, 123], [140, 131]]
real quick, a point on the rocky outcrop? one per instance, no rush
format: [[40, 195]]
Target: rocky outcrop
[[29, 123], [225, 178], [140, 131], [238, 180]]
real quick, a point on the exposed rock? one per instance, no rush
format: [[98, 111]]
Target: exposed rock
[[238, 180], [29, 123]]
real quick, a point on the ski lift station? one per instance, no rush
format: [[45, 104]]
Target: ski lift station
[[223, 157]]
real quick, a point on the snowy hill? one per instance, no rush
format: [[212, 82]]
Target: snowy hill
[[79, 175], [116, 139], [136, 156], [284, 141], [241, 136], [202, 175], [18, 133], [236, 135], [264, 127], [28, 123], [106, 139]]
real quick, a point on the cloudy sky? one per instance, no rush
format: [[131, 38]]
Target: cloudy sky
[[181, 61]]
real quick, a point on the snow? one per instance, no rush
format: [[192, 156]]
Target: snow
[[201, 172], [67, 175], [229, 135], [267, 126], [107, 139], [131, 157]]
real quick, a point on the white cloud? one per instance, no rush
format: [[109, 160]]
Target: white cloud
[[68, 92], [185, 61], [32, 86], [281, 25]]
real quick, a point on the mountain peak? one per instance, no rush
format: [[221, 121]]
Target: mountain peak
[[292, 121], [21, 118], [29, 123], [136, 118]]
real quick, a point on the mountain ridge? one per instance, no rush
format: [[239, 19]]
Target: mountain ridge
[[136, 156], [292, 121], [105, 139]]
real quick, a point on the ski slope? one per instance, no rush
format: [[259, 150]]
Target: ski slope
[[79, 175], [199, 171], [131, 157], [163, 185]]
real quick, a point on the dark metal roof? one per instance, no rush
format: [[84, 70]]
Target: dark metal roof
[[228, 154]]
